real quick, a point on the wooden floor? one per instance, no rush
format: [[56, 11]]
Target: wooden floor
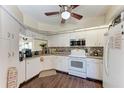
[[61, 81]]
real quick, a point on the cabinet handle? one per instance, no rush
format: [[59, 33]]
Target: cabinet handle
[[8, 34], [9, 54], [12, 36]]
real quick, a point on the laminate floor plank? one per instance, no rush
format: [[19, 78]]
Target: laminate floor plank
[[61, 80]]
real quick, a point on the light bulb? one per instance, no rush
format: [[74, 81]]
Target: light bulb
[[65, 15]]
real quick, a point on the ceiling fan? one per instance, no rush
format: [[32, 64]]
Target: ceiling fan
[[66, 12]]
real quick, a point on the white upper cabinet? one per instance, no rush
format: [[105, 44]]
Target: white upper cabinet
[[95, 37], [78, 35], [60, 40], [100, 36], [91, 38], [9, 32], [9, 27]]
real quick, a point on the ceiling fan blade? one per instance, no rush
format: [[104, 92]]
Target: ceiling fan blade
[[74, 6], [51, 13], [77, 16], [63, 21]]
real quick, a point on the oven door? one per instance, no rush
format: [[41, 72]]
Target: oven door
[[77, 64]]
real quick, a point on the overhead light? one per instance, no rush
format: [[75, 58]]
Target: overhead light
[[65, 15]]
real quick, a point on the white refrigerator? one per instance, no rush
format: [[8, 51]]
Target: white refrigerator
[[113, 64]]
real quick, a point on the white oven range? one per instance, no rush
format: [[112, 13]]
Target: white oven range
[[77, 63]]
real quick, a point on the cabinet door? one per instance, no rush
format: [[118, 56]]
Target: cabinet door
[[32, 67], [6, 25], [21, 72], [65, 64], [4, 60], [47, 63], [101, 39], [94, 69], [58, 63], [61, 63], [91, 38]]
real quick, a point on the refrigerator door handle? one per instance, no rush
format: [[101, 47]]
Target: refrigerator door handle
[[106, 57]]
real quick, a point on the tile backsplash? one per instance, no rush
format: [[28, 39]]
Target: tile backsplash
[[90, 51]]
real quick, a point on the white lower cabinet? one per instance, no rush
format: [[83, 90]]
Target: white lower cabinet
[[33, 67], [61, 63], [94, 69], [4, 59], [47, 63], [21, 71]]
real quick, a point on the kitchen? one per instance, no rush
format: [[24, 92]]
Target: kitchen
[[28, 51]]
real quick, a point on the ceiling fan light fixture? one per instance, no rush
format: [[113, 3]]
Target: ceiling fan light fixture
[[65, 15]]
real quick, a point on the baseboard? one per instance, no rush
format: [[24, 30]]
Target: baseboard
[[61, 71], [95, 80], [90, 79]]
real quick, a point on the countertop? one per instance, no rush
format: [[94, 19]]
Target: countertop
[[34, 56]]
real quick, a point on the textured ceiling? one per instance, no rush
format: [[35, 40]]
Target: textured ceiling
[[93, 15]]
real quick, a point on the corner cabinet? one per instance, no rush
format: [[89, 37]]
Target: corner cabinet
[[33, 67], [94, 68], [47, 62]]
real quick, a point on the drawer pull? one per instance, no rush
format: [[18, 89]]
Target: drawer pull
[[12, 36], [8, 35], [9, 55]]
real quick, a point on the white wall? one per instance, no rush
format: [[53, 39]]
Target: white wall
[[14, 10], [113, 12]]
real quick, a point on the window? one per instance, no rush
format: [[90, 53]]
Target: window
[[27, 45]]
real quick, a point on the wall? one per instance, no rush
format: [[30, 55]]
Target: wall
[[14, 10], [113, 12]]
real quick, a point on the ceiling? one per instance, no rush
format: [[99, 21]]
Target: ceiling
[[52, 23]]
